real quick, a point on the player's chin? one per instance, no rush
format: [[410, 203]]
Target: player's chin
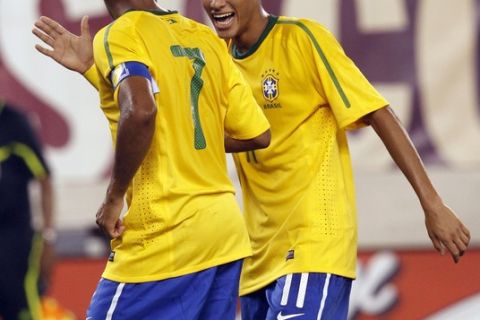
[[225, 33]]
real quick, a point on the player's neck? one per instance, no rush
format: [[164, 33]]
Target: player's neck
[[118, 8], [252, 33]]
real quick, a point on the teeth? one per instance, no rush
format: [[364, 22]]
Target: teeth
[[222, 16]]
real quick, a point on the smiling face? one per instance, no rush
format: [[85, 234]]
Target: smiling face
[[231, 18]]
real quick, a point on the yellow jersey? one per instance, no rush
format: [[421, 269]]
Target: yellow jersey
[[182, 216], [299, 198]]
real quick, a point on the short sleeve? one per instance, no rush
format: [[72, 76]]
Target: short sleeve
[[92, 75], [349, 94], [244, 118], [115, 45], [118, 43]]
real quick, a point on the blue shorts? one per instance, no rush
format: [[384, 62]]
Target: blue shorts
[[210, 294], [306, 296]]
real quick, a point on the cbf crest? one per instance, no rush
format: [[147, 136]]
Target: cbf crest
[[270, 79]]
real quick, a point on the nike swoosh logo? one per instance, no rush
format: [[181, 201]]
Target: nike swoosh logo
[[288, 316]]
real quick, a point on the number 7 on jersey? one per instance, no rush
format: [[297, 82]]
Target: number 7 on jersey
[[196, 85]]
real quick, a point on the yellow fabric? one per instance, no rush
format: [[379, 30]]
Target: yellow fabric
[[299, 198], [93, 76], [182, 216]]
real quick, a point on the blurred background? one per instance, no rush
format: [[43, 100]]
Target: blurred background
[[423, 55]]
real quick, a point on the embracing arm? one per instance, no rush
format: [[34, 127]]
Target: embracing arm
[[443, 227], [260, 142], [135, 132]]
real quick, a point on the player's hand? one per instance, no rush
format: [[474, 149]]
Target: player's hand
[[71, 51], [446, 231], [108, 217]]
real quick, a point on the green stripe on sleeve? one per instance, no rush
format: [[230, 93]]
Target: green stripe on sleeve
[[107, 46], [30, 158], [4, 153], [323, 57]]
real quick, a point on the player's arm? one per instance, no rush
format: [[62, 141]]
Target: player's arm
[[47, 203], [354, 102], [260, 142], [49, 234], [35, 160], [69, 50], [246, 127], [134, 136], [444, 228]]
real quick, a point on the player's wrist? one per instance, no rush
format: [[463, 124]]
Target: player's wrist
[[431, 203], [49, 235], [115, 191]]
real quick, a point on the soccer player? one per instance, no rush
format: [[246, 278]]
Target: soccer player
[[170, 92], [26, 257], [298, 194]]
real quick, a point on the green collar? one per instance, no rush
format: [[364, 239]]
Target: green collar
[[272, 20]]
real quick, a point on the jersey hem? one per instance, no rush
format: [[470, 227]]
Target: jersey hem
[[183, 272], [250, 289]]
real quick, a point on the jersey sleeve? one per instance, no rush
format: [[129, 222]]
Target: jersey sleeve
[[116, 45], [27, 146], [92, 75], [244, 118], [348, 92]]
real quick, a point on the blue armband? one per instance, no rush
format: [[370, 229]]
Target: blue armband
[[132, 68]]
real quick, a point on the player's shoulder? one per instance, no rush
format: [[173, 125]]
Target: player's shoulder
[[118, 30], [304, 28], [101, 35], [11, 115], [13, 123], [123, 23], [200, 30], [203, 36], [126, 23], [302, 23]]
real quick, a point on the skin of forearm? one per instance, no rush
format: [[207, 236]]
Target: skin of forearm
[[47, 202], [234, 145], [396, 140], [134, 136]]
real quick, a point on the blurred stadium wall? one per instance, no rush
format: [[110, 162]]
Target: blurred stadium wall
[[423, 55]]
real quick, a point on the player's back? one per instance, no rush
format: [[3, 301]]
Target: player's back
[[193, 88], [192, 99], [181, 193]]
